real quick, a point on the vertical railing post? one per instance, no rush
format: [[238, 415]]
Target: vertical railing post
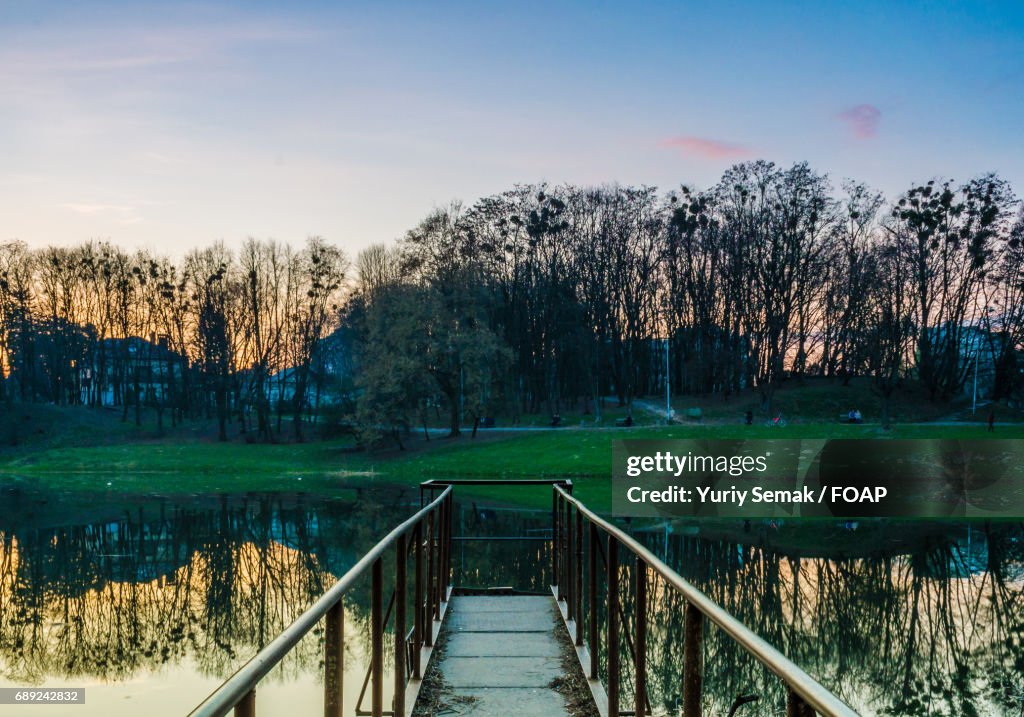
[[640, 666], [401, 588], [377, 640], [417, 604], [579, 578], [448, 546], [246, 706], [570, 581], [613, 627], [334, 665], [595, 634], [438, 560], [555, 541], [693, 661], [428, 601], [442, 529], [563, 558]]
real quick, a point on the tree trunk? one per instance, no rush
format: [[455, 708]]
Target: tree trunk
[[297, 412], [455, 430], [138, 400], [222, 411]]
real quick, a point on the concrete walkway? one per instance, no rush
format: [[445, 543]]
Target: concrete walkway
[[502, 656]]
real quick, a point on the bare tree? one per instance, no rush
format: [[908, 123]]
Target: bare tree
[[952, 231], [264, 269], [1003, 318], [889, 332], [848, 279], [323, 269], [17, 325], [211, 286]]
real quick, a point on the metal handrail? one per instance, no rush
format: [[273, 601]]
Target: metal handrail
[[431, 527], [805, 692], [238, 691]]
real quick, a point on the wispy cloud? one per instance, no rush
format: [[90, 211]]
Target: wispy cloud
[[88, 208], [861, 120], [119, 213], [134, 85], [59, 58], [706, 148], [160, 158]]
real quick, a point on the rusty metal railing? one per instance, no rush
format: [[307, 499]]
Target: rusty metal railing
[[430, 550], [573, 520], [577, 547]]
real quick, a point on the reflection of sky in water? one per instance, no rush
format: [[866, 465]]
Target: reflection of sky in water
[[153, 607], [150, 605], [173, 598]]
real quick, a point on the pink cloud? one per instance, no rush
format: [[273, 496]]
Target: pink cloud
[[706, 148], [862, 120]]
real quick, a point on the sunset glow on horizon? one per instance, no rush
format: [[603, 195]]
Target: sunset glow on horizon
[[171, 126]]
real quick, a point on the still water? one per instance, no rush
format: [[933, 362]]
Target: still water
[[150, 602]]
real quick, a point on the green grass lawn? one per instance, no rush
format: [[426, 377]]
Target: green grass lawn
[[820, 400], [181, 466]]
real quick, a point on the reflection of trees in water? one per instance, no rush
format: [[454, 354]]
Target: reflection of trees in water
[[159, 586], [935, 632], [506, 547]]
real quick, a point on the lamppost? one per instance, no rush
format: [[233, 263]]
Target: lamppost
[[977, 356], [664, 314], [974, 399], [668, 387]]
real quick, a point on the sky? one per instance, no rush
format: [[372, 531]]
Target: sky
[[168, 126]]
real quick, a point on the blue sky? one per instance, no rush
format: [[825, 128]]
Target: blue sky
[[171, 125]]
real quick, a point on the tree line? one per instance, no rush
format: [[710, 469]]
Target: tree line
[[217, 326], [543, 298]]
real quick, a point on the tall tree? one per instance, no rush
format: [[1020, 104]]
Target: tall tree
[[775, 222], [849, 275], [952, 232], [394, 378], [1003, 318], [264, 268], [889, 330], [211, 285], [323, 269], [17, 324], [443, 256]]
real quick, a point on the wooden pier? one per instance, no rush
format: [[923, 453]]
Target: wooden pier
[[516, 655]]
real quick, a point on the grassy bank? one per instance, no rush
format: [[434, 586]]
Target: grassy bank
[[823, 400], [189, 466]]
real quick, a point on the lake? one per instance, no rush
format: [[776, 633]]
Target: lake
[[150, 602]]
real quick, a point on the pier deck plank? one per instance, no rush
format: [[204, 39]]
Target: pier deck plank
[[502, 657]]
